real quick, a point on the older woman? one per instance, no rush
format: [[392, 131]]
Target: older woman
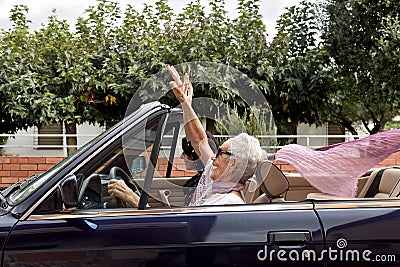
[[225, 172], [230, 168], [234, 163]]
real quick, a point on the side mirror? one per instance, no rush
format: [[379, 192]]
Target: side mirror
[[69, 191], [138, 165]]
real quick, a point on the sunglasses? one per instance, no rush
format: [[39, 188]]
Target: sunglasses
[[220, 152]]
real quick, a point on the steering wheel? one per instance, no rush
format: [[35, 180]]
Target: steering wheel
[[125, 177]]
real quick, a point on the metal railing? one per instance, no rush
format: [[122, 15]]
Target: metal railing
[[32, 144], [301, 138], [306, 140]]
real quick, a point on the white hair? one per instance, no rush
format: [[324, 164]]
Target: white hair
[[248, 152]]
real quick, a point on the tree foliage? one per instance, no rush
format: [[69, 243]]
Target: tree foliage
[[361, 37], [90, 74], [299, 91], [23, 100]]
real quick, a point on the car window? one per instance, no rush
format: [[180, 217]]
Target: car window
[[34, 183], [167, 179], [126, 159]]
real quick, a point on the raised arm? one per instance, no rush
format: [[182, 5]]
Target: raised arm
[[193, 128]]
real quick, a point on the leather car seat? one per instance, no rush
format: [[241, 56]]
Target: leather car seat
[[271, 181], [382, 183]]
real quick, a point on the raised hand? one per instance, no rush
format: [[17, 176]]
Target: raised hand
[[182, 91]]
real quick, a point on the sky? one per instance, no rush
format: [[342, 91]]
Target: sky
[[70, 10]]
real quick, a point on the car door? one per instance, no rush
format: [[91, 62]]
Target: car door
[[278, 234], [361, 232], [97, 238], [241, 235]]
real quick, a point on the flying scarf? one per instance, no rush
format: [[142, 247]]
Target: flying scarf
[[335, 169]]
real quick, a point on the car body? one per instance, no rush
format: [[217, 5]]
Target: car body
[[65, 217]]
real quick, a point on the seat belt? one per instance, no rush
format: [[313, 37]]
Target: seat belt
[[373, 189]]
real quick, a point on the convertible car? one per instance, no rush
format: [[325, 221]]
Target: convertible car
[[65, 217]]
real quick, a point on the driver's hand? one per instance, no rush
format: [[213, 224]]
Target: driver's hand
[[118, 189]]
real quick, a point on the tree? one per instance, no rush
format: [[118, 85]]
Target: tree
[[195, 36], [24, 79], [54, 47], [362, 43], [52, 75], [299, 91]]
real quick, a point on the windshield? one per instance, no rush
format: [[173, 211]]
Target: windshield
[[27, 188], [31, 185]]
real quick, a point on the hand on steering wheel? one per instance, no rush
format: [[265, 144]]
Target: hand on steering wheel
[[122, 187]]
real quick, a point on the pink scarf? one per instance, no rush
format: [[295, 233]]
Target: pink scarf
[[226, 187], [335, 169], [206, 185]]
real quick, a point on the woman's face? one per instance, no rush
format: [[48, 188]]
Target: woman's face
[[220, 163]]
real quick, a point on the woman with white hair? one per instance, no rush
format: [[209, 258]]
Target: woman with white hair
[[230, 168], [234, 163]]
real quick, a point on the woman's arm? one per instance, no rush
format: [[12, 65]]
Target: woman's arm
[[193, 128]]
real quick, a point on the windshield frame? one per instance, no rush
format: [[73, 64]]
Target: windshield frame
[[23, 193]]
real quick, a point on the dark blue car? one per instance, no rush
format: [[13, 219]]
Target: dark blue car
[[65, 216]]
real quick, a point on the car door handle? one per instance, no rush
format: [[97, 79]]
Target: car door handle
[[289, 238]]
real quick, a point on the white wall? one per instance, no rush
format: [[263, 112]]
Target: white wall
[[23, 145], [305, 129]]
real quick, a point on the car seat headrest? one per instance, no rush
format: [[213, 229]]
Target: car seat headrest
[[270, 179]]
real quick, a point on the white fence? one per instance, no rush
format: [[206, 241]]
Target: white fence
[[22, 143], [29, 143]]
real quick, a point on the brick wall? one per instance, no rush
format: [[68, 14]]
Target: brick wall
[[14, 169], [178, 169]]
